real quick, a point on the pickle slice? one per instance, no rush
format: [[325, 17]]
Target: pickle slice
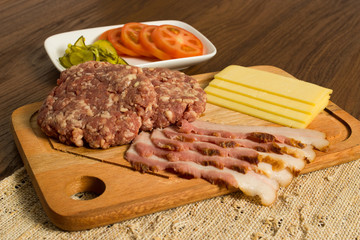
[[80, 56], [105, 47], [121, 61], [80, 42], [101, 50], [65, 61], [107, 52]]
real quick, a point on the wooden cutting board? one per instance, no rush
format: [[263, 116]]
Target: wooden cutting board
[[58, 171]]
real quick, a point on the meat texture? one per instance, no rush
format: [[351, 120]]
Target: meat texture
[[179, 96], [256, 160], [97, 103], [102, 105]]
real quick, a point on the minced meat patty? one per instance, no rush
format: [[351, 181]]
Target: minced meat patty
[[98, 103], [179, 96], [102, 105]]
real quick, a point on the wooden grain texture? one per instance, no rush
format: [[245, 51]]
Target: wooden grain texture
[[59, 171], [317, 41]]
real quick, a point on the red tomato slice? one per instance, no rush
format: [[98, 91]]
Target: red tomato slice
[[177, 41], [104, 35], [130, 37], [147, 42], [114, 36]]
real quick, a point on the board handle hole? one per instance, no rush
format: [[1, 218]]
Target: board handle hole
[[85, 188]]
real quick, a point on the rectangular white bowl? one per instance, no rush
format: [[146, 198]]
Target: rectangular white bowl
[[55, 46]]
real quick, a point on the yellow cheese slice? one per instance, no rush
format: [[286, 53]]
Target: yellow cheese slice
[[273, 83], [257, 104], [264, 96], [254, 112], [266, 106]]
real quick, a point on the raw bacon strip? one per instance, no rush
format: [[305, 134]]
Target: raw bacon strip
[[279, 161], [257, 160], [250, 183], [161, 141], [215, 161], [193, 156], [283, 177], [144, 164], [280, 148], [306, 153], [145, 148], [220, 141], [208, 149], [292, 136]]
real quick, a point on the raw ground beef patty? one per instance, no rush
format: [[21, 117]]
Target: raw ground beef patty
[[102, 105], [179, 96]]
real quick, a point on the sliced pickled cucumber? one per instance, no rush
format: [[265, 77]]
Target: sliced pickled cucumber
[[80, 42], [105, 47], [65, 61], [101, 50], [121, 61], [96, 53], [107, 52], [81, 56]]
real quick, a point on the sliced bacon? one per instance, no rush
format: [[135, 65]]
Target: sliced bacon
[[250, 183], [280, 161], [145, 148], [306, 152], [283, 177], [220, 141], [255, 159], [291, 136], [215, 161], [160, 140]]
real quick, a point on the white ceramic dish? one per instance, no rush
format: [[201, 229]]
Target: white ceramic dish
[[55, 46]]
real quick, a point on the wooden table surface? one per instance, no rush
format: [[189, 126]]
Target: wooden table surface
[[317, 41]]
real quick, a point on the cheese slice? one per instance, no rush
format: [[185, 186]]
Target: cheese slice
[[275, 84], [265, 96], [254, 112], [266, 106], [283, 100]]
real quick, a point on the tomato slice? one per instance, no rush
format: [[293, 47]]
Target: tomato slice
[[104, 35], [147, 42], [114, 36], [177, 41], [130, 37]]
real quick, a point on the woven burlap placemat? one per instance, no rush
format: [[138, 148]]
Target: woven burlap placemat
[[319, 205]]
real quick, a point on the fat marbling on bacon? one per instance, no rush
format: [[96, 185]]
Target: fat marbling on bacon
[[255, 159]]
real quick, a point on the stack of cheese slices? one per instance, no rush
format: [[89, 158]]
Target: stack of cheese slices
[[283, 100]]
